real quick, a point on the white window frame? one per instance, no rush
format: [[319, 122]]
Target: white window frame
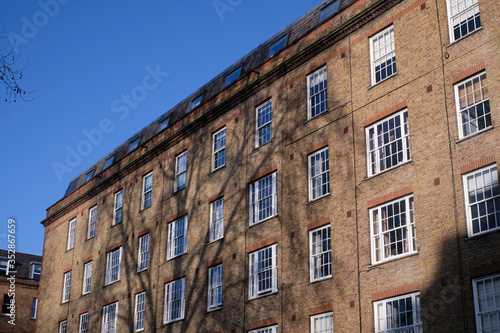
[[267, 329], [83, 327], [34, 307], [71, 234], [375, 153], [118, 208], [215, 276], [92, 222], [254, 279], [63, 325], [142, 261], [470, 9], [66, 287], [147, 190], [218, 151], [380, 309], [318, 264], [87, 278], [113, 263], [379, 234], [217, 220], [140, 311], [180, 173], [315, 163], [484, 103], [377, 57], [109, 318], [481, 313], [173, 240], [321, 89], [170, 302], [255, 188], [480, 202], [34, 264], [325, 322], [263, 108]]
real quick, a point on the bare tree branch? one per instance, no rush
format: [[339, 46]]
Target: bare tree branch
[[10, 77]]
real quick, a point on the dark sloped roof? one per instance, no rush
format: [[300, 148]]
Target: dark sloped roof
[[23, 261], [295, 31]]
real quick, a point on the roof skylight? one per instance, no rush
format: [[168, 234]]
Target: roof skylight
[[109, 161], [329, 11], [278, 45], [133, 145], [88, 176], [163, 124], [233, 76], [196, 102]]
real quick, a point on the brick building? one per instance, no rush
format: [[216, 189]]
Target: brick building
[[340, 177], [22, 292]]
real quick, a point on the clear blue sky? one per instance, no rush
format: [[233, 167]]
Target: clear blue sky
[[83, 55]]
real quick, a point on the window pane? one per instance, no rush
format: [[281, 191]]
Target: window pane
[[233, 76], [277, 46]]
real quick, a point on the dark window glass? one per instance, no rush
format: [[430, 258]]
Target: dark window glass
[[329, 11], [163, 125], [109, 161], [133, 145], [195, 102], [233, 76], [277, 46], [88, 176]]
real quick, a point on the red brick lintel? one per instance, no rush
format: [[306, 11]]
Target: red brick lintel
[[67, 269], [89, 259], [262, 244], [262, 173], [143, 232], [468, 72], [319, 223], [214, 262], [109, 301], [391, 196], [262, 323], [174, 277], [385, 113], [477, 164], [63, 318], [396, 292], [176, 216], [216, 196], [318, 146], [320, 309], [484, 270], [114, 247], [84, 310], [139, 290]]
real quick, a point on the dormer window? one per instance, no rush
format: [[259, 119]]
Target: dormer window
[[196, 102], [88, 176], [329, 11], [233, 76], [163, 124], [133, 145], [277, 46], [35, 270], [109, 162]]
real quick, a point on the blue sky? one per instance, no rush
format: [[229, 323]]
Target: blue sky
[[82, 57]]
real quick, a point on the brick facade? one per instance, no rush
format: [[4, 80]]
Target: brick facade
[[446, 259]]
